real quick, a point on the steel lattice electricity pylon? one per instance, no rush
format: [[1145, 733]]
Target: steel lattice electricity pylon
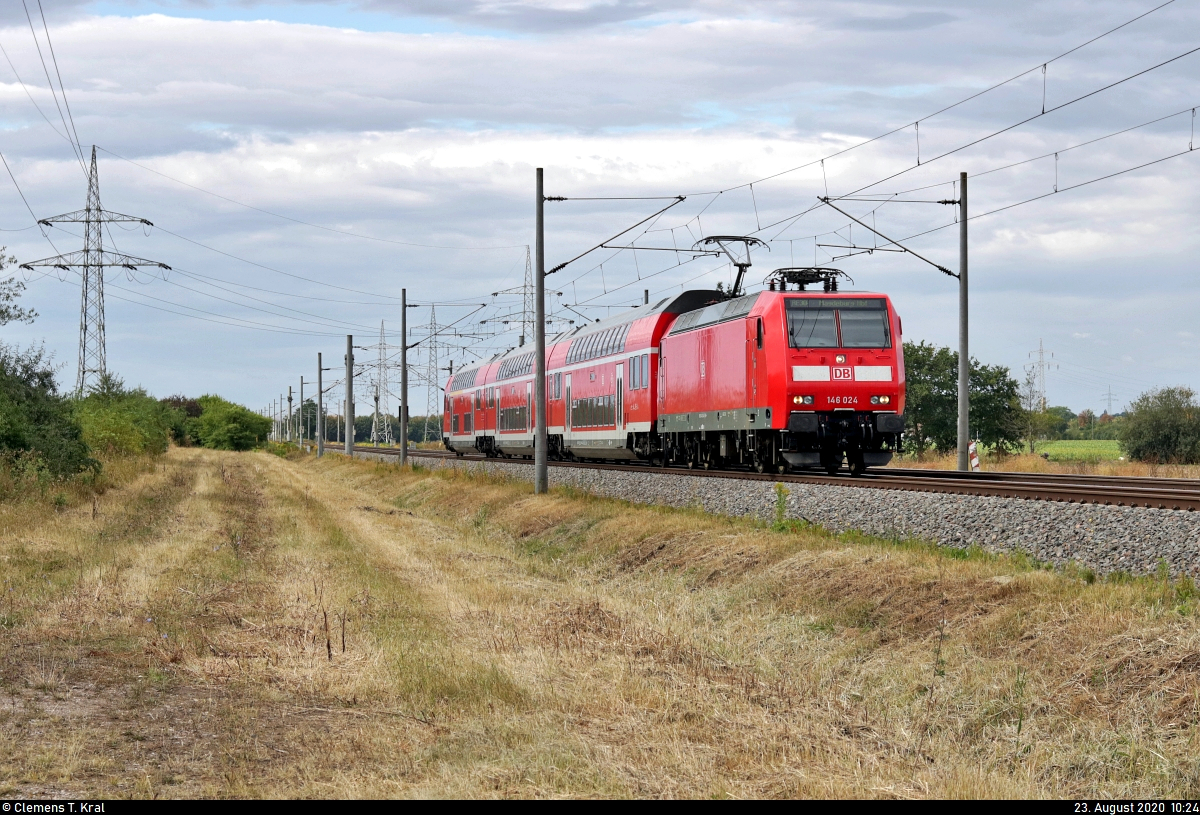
[[91, 262], [528, 307], [381, 424], [432, 391]]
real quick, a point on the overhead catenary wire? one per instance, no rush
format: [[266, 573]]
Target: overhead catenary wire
[[940, 111], [790, 220], [678, 200], [893, 199], [1054, 192], [1015, 125]]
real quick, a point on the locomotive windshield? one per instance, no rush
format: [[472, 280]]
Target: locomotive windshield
[[829, 322]]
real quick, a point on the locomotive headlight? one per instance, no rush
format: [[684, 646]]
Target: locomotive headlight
[[840, 359], [808, 400], [880, 400], [874, 400], [802, 400]]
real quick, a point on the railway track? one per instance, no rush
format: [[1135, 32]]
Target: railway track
[[1158, 493]]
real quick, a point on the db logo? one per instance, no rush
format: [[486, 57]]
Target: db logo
[[841, 375]]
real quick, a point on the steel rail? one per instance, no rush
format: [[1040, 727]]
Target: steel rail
[[1173, 494]]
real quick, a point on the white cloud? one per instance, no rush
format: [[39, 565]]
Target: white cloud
[[432, 138]]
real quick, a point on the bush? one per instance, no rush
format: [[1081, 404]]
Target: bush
[[118, 421], [222, 425], [1163, 427], [38, 429], [182, 409]]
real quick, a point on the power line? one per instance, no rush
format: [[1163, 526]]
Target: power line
[[223, 319], [76, 149], [25, 88], [58, 73], [272, 269], [327, 322], [19, 192], [36, 221], [307, 223]]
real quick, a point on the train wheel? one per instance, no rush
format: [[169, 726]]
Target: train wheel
[[857, 466], [759, 465]]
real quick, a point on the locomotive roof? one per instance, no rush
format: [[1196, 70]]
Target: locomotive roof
[[687, 301]]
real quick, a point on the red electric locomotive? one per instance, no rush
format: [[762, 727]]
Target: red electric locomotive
[[775, 380]]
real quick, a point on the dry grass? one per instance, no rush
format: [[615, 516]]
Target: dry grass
[[188, 641], [1025, 463]]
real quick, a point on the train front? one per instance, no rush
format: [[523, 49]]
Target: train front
[[844, 369]]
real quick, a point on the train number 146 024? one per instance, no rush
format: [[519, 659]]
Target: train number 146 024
[[843, 400]]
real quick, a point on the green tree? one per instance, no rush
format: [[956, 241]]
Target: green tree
[[1163, 426], [417, 425], [1061, 419], [10, 290], [35, 420], [124, 421], [931, 405], [223, 425], [1035, 422]]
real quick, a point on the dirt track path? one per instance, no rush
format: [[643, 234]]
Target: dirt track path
[[244, 625]]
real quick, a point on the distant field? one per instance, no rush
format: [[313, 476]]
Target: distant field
[[1095, 450]]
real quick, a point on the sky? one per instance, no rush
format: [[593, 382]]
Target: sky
[[303, 162]]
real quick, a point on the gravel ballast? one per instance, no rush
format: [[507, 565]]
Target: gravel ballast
[[1103, 538]]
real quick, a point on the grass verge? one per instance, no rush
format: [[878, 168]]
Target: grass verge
[[498, 643]]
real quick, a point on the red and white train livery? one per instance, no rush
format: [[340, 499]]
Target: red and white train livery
[[773, 380]]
